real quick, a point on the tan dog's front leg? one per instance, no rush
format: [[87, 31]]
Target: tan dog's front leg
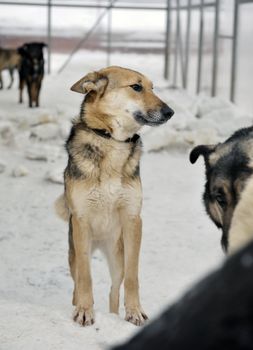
[[132, 227], [84, 314]]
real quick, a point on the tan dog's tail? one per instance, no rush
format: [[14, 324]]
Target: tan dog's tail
[[61, 208]]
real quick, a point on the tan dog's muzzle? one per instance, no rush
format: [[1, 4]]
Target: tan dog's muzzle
[[154, 117]]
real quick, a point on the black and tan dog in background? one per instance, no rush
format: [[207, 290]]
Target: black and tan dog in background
[[9, 60], [31, 71], [103, 195], [229, 167]]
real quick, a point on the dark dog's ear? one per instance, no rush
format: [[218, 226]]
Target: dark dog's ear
[[43, 45], [22, 50], [203, 150], [94, 81]]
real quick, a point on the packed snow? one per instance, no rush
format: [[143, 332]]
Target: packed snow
[[180, 244]]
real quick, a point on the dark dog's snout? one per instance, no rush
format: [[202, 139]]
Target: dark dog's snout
[[167, 112]]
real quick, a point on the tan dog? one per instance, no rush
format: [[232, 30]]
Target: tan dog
[[9, 59], [103, 193]]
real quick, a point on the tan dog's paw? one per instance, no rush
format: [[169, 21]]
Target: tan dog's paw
[[136, 316], [85, 317]]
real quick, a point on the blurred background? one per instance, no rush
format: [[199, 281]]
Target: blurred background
[[202, 45]]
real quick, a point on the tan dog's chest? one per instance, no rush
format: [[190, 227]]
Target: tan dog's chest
[[101, 205], [107, 191]]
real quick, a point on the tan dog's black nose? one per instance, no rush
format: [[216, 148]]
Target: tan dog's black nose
[[167, 112]]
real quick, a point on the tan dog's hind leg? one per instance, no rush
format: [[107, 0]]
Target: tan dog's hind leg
[[11, 76], [72, 265], [72, 259], [132, 227], [115, 257], [83, 298]]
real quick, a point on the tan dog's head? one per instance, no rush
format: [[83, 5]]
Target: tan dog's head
[[229, 165], [120, 101]]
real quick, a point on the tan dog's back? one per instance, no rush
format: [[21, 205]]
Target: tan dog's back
[[9, 58]]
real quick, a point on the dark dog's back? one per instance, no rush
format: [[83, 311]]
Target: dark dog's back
[[31, 70]]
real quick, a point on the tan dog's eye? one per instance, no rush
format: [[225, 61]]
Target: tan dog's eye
[[136, 87]]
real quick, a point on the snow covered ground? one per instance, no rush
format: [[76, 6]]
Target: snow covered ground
[[180, 244]]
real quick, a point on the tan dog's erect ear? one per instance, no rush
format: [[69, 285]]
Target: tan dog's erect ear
[[91, 82]]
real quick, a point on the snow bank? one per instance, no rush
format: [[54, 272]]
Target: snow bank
[[198, 120]]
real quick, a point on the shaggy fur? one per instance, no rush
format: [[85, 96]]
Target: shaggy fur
[[103, 195]]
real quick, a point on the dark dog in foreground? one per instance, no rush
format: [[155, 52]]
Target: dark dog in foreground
[[215, 314], [103, 196], [31, 71], [10, 60], [229, 166]]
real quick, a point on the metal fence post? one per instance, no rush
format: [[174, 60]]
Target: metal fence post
[[176, 46], [167, 42], [49, 35], [215, 48], [181, 51], [187, 43], [234, 51], [109, 37], [200, 46]]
